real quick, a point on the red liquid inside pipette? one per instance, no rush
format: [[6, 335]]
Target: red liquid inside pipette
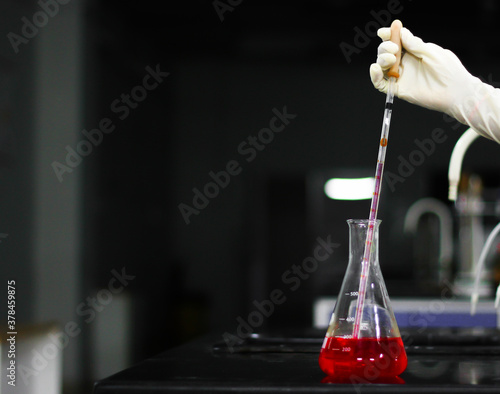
[[368, 358]]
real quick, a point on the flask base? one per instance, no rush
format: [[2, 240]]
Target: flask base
[[369, 358]]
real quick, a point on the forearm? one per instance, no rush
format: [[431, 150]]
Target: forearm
[[480, 109]]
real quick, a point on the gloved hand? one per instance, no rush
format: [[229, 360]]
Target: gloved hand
[[434, 78]]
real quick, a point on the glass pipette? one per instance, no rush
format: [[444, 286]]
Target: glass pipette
[[393, 74]]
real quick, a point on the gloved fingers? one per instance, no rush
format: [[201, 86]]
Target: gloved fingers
[[413, 44], [386, 60], [431, 53], [377, 77], [384, 33], [386, 54], [388, 47], [410, 43]]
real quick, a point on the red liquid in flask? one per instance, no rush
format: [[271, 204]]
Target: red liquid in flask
[[369, 358]]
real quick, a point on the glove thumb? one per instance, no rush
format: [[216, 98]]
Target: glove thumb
[[377, 77]]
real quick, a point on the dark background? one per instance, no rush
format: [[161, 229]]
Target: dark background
[[225, 78]]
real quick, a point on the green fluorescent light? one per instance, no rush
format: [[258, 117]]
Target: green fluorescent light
[[350, 188]]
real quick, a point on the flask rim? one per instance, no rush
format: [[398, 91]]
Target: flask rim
[[363, 222]]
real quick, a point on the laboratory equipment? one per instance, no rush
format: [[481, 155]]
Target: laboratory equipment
[[454, 172], [472, 226], [432, 268], [378, 350], [479, 269], [473, 277], [363, 337], [392, 74]]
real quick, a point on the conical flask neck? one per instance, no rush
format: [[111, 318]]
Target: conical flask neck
[[359, 229]]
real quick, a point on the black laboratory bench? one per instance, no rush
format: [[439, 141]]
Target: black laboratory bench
[[451, 360]]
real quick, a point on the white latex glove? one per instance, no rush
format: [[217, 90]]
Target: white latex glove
[[434, 78]]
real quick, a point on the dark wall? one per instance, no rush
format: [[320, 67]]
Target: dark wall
[[16, 165]]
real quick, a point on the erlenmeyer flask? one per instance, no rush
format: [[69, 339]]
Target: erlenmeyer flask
[[375, 350]]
